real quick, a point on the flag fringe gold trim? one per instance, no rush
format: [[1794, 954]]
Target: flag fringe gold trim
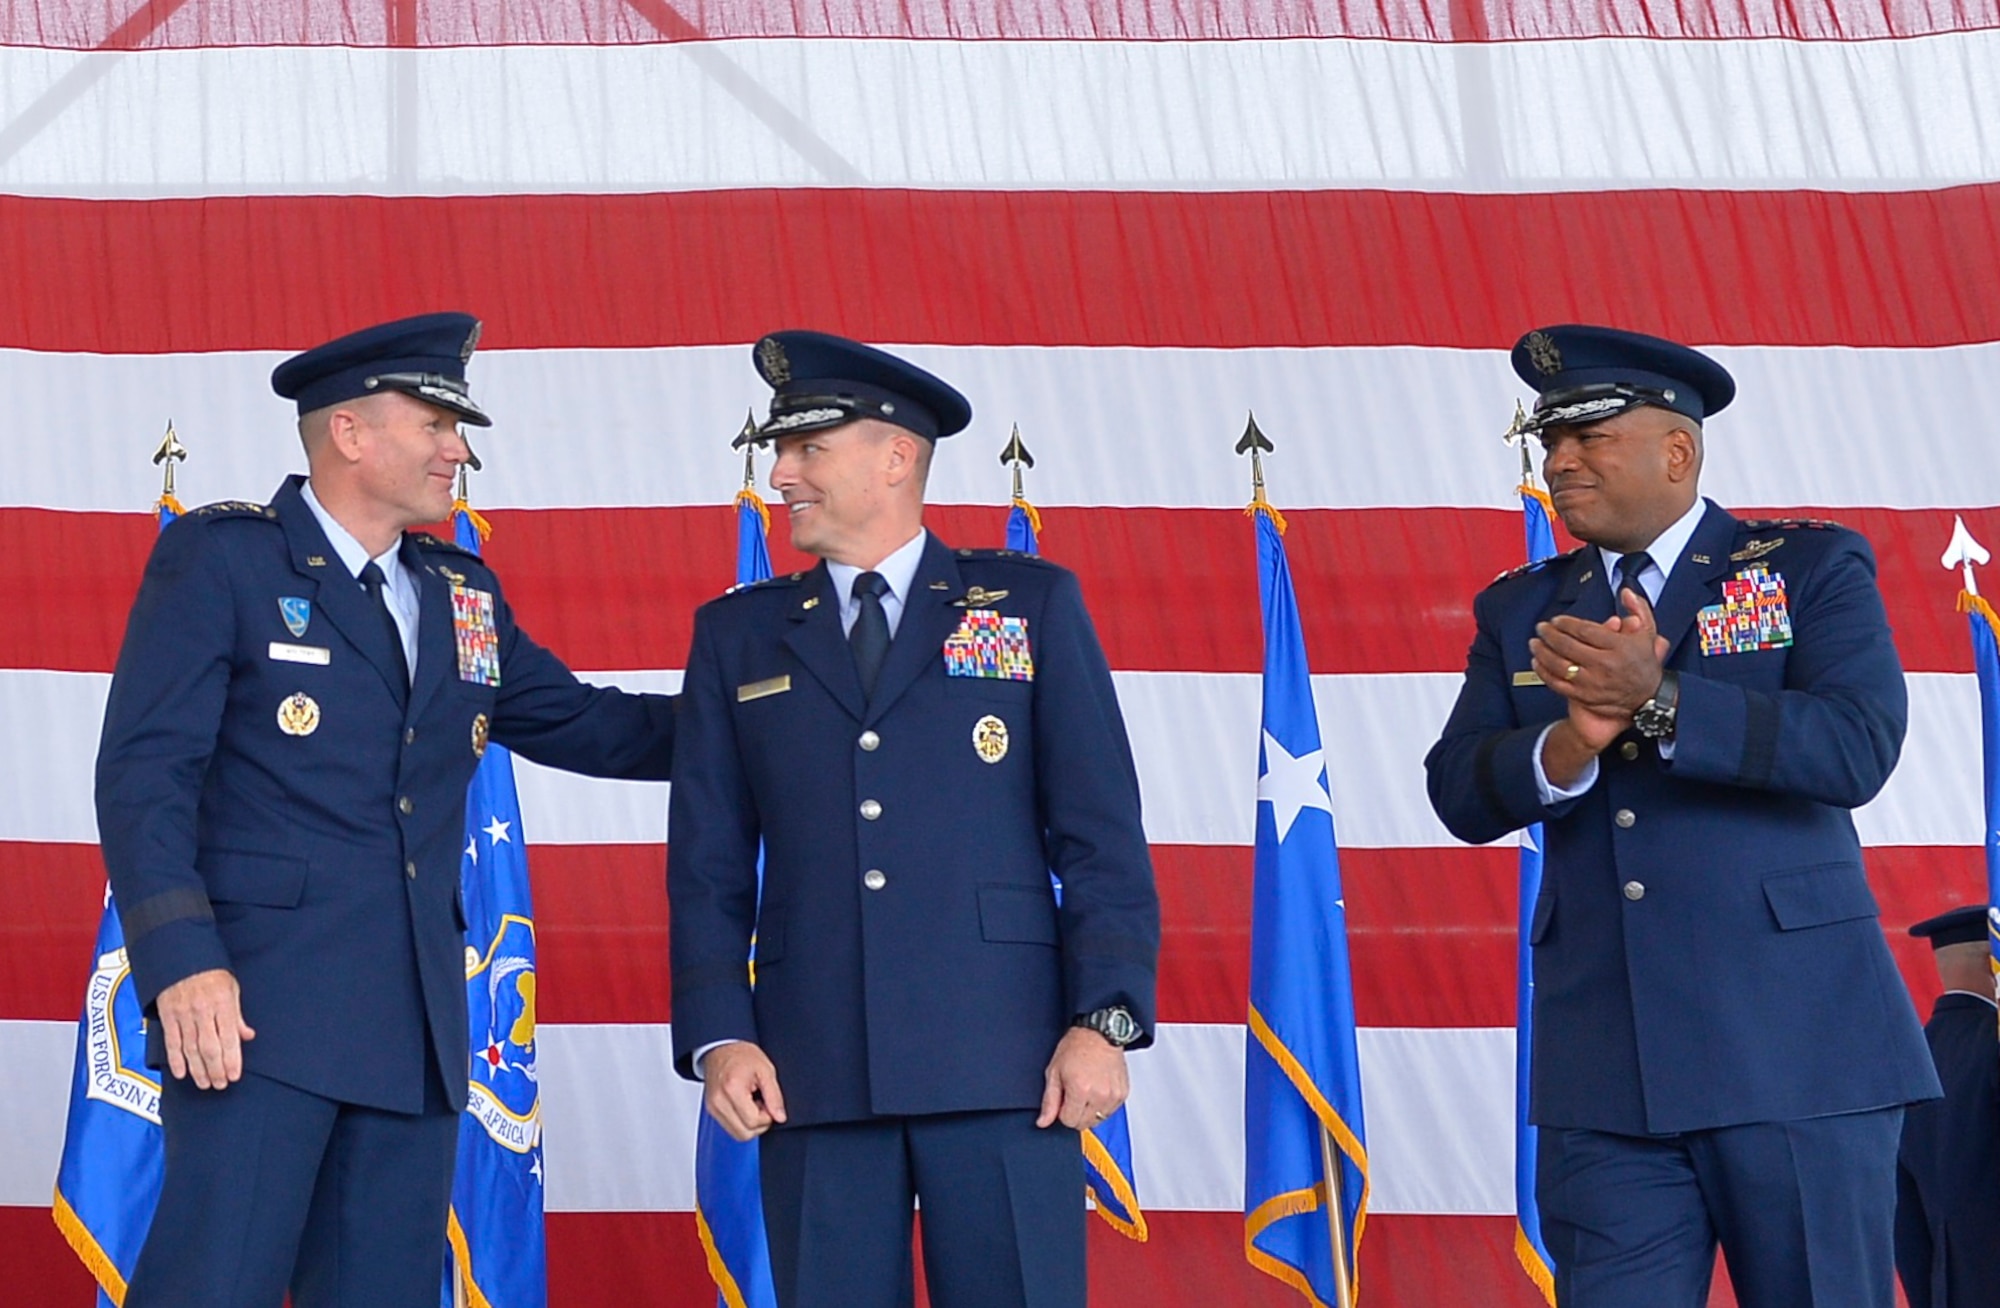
[[88, 1250], [1281, 1271], [756, 502], [168, 504], [718, 1267], [475, 517], [1121, 1185], [1969, 604], [1034, 514], [1531, 1262], [1529, 488], [461, 1252], [1268, 509]]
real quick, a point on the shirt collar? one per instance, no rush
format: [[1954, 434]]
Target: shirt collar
[[1666, 547], [899, 570], [351, 551]]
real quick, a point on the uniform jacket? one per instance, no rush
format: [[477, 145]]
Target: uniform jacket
[[1706, 947], [1948, 1171], [947, 988], [322, 866]]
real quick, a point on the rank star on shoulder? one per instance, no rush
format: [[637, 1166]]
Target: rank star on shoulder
[[496, 831], [1291, 785]]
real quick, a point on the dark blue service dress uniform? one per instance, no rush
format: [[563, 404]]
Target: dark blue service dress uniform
[[276, 799], [914, 970], [1706, 948], [1948, 1171]]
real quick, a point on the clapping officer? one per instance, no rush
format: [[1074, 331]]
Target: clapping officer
[[304, 691], [1692, 705], [914, 736]]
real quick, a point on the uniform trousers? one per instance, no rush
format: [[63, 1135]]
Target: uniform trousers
[[1002, 1206], [270, 1187], [1804, 1211]]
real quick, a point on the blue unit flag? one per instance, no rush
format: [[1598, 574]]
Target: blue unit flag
[[495, 1225], [728, 1196], [1985, 625], [113, 1155], [1302, 1072], [1529, 1247]]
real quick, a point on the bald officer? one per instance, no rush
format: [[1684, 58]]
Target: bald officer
[[1692, 705], [914, 736], [1948, 1171], [303, 694]]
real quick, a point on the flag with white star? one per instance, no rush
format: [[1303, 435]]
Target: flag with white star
[[728, 1194], [495, 1227], [114, 1154], [1302, 1074], [1529, 1249]]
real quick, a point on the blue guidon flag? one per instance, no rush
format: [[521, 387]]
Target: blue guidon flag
[[1302, 1072], [1529, 1248], [1963, 552], [114, 1155], [728, 1195], [497, 1252]]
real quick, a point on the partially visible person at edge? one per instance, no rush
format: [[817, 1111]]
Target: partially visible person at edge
[[304, 691], [914, 736], [1692, 705]]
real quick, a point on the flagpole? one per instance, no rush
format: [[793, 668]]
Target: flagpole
[[1336, 1219]]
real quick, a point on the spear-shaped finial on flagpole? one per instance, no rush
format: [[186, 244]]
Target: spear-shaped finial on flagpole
[[170, 452], [1017, 455], [1963, 552], [1516, 435], [746, 440], [1256, 444]]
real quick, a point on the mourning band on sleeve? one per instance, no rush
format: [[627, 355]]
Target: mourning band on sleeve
[[1760, 738], [149, 915]]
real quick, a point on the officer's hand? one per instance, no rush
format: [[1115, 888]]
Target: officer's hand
[[201, 1019], [1609, 667], [740, 1089], [1085, 1082]]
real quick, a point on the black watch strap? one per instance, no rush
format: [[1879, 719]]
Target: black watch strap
[[1656, 718], [1115, 1024]]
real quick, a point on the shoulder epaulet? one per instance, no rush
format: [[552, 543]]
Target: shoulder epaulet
[[1787, 524], [439, 545], [1012, 556], [781, 579], [1534, 565], [233, 509]]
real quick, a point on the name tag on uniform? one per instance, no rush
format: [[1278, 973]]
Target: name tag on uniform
[[1529, 678], [284, 653], [760, 689]]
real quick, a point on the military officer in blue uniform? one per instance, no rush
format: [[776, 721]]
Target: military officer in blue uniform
[[1692, 705], [304, 691], [1948, 1172], [914, 736]]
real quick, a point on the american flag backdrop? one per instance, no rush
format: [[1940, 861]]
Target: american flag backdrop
[[1121, 224]]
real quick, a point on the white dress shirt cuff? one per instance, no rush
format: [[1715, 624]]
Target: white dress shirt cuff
[[704, 1052], [1552, 796]]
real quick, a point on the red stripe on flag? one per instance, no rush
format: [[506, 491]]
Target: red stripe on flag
[[1381, 590], [81, 24], [1221, 269]]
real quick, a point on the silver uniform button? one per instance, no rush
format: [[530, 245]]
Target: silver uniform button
[[869, 741], [870, 809], [1624, 817], [406, 805], [1635, 891], [874, 879], [410, 869], [1629, 750]]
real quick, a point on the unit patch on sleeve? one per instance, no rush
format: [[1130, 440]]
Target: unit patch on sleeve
[[1752, 616], [478, 637], [989, 645]]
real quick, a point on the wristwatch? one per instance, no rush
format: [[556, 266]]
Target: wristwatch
[[1115, 1024], [1655, 718]]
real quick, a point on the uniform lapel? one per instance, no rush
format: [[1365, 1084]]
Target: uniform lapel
[[1584, 592], [1691, 584], [334, 592], [814, 635], [437, 647], [928, 618]]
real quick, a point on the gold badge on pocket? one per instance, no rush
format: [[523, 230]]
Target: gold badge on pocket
[[298, 715], [989, 739], [481, 730]]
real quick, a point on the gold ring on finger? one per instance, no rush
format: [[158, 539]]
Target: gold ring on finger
[[1569, 673]]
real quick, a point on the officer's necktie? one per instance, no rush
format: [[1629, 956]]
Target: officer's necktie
[[1629, 569], [870, 635], [373, 581]]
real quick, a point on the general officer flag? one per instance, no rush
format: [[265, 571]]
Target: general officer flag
[[1529, 1247], [1107, 1147], [495, 1225], [1985, 624], [1302, 1073], [728, 1196], [113, 1155]]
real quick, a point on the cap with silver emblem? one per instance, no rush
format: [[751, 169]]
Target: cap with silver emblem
[[820, 381], [424, 357], [1586, 374]]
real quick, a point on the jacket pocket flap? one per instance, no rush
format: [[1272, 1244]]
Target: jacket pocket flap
[[268, 880], [1018, 914], [1816, 896]]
